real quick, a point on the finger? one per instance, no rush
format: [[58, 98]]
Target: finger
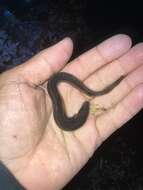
[[100, 55], [122, 66], [39, 68], [108, 74], [132, 59], [121, 113]]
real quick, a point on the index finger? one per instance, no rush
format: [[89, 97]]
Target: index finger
[[104, 53]]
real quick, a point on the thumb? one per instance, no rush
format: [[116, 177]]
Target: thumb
[[40, 67]]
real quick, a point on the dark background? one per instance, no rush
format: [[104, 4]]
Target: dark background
[[26, 27]]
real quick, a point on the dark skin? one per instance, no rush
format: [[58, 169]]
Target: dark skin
[[38, 153]]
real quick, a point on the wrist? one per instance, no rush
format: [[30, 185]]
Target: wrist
[[7, 179]]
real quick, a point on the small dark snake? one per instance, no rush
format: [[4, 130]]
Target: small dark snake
[[76, 121]]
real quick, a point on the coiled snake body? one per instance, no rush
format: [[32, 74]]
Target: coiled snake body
[[76, 121]]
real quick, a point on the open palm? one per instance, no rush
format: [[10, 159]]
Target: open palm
[[41, 155]]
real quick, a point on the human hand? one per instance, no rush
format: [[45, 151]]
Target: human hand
[[39, 154]]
